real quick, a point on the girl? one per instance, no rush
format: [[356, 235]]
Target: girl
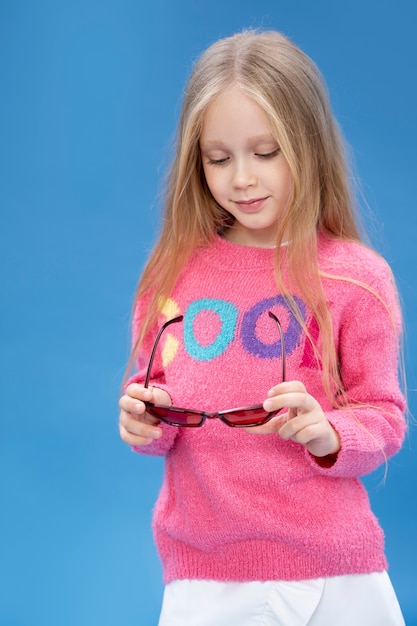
[[260, 295]]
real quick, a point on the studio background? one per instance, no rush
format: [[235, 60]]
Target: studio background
[[90, 94]]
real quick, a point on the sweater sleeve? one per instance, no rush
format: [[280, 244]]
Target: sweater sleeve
[[161, 446], [372, 427]]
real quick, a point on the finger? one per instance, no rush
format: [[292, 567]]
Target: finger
[[302, 429], [134, 390], [133, 404], [133, 440], [135, 422], [292, 386], [145, 426], [299, 400]]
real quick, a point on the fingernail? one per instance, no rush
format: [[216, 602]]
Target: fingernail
[[156, 433], [268, 405], [270, 393]]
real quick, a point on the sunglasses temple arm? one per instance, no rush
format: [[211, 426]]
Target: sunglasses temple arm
[[155, 345], [281, 334], [283, 358], [181, 317]]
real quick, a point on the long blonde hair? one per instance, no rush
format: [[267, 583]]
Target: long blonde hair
[[287, 85]]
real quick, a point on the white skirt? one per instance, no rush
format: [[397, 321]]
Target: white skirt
[[352, 600]]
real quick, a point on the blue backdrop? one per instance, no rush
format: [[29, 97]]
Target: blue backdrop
[[90, 93]]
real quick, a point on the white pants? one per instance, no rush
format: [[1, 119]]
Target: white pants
[[354, 600]]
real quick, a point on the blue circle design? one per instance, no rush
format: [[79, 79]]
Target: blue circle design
[[292, 335], [228, 314]]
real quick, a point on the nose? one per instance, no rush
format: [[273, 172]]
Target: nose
[[244, 175]]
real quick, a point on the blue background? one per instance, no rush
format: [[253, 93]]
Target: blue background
[[90, 93]]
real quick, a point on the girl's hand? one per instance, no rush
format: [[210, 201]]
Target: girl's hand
[[305, 421], [136, 426]]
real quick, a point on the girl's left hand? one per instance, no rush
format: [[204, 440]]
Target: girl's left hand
[[305, 421]]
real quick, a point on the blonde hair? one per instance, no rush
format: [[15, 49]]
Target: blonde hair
[[289, 88]]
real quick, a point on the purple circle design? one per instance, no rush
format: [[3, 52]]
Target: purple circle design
[[273, 350]]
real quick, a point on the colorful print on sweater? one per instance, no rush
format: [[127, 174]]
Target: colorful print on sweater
[[239, 506]]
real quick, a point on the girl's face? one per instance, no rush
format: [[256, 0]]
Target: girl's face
[[245, 169]]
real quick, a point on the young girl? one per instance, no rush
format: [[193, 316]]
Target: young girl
[[267, 338]]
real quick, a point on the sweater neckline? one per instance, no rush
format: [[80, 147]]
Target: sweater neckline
[[227, 255]]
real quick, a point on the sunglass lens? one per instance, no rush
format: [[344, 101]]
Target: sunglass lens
[[246, 417], [175, 417]]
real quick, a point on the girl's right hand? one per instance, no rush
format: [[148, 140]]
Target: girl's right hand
[[136, 426]]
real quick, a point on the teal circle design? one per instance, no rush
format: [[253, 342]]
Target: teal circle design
[[228, 314]]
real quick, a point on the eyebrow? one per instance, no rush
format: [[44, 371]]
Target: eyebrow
[[252, 140]]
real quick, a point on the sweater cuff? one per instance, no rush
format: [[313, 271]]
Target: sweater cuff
[[359, 453]]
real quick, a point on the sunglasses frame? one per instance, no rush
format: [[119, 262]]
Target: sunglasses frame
[[156, 410]]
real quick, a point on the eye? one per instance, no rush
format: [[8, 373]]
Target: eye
[[221, 161], [268, 155]]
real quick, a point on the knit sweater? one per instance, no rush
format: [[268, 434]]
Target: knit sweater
[[236, 506]]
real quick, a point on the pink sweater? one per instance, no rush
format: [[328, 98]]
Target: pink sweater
[[243, 507]]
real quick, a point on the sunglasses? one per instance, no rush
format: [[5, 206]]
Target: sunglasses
[[190, 418]]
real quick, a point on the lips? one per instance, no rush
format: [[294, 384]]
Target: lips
[[251, 206]]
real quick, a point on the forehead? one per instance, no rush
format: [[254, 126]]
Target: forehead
[[233, 114]]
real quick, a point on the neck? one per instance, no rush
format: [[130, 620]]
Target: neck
[[235, 236]]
